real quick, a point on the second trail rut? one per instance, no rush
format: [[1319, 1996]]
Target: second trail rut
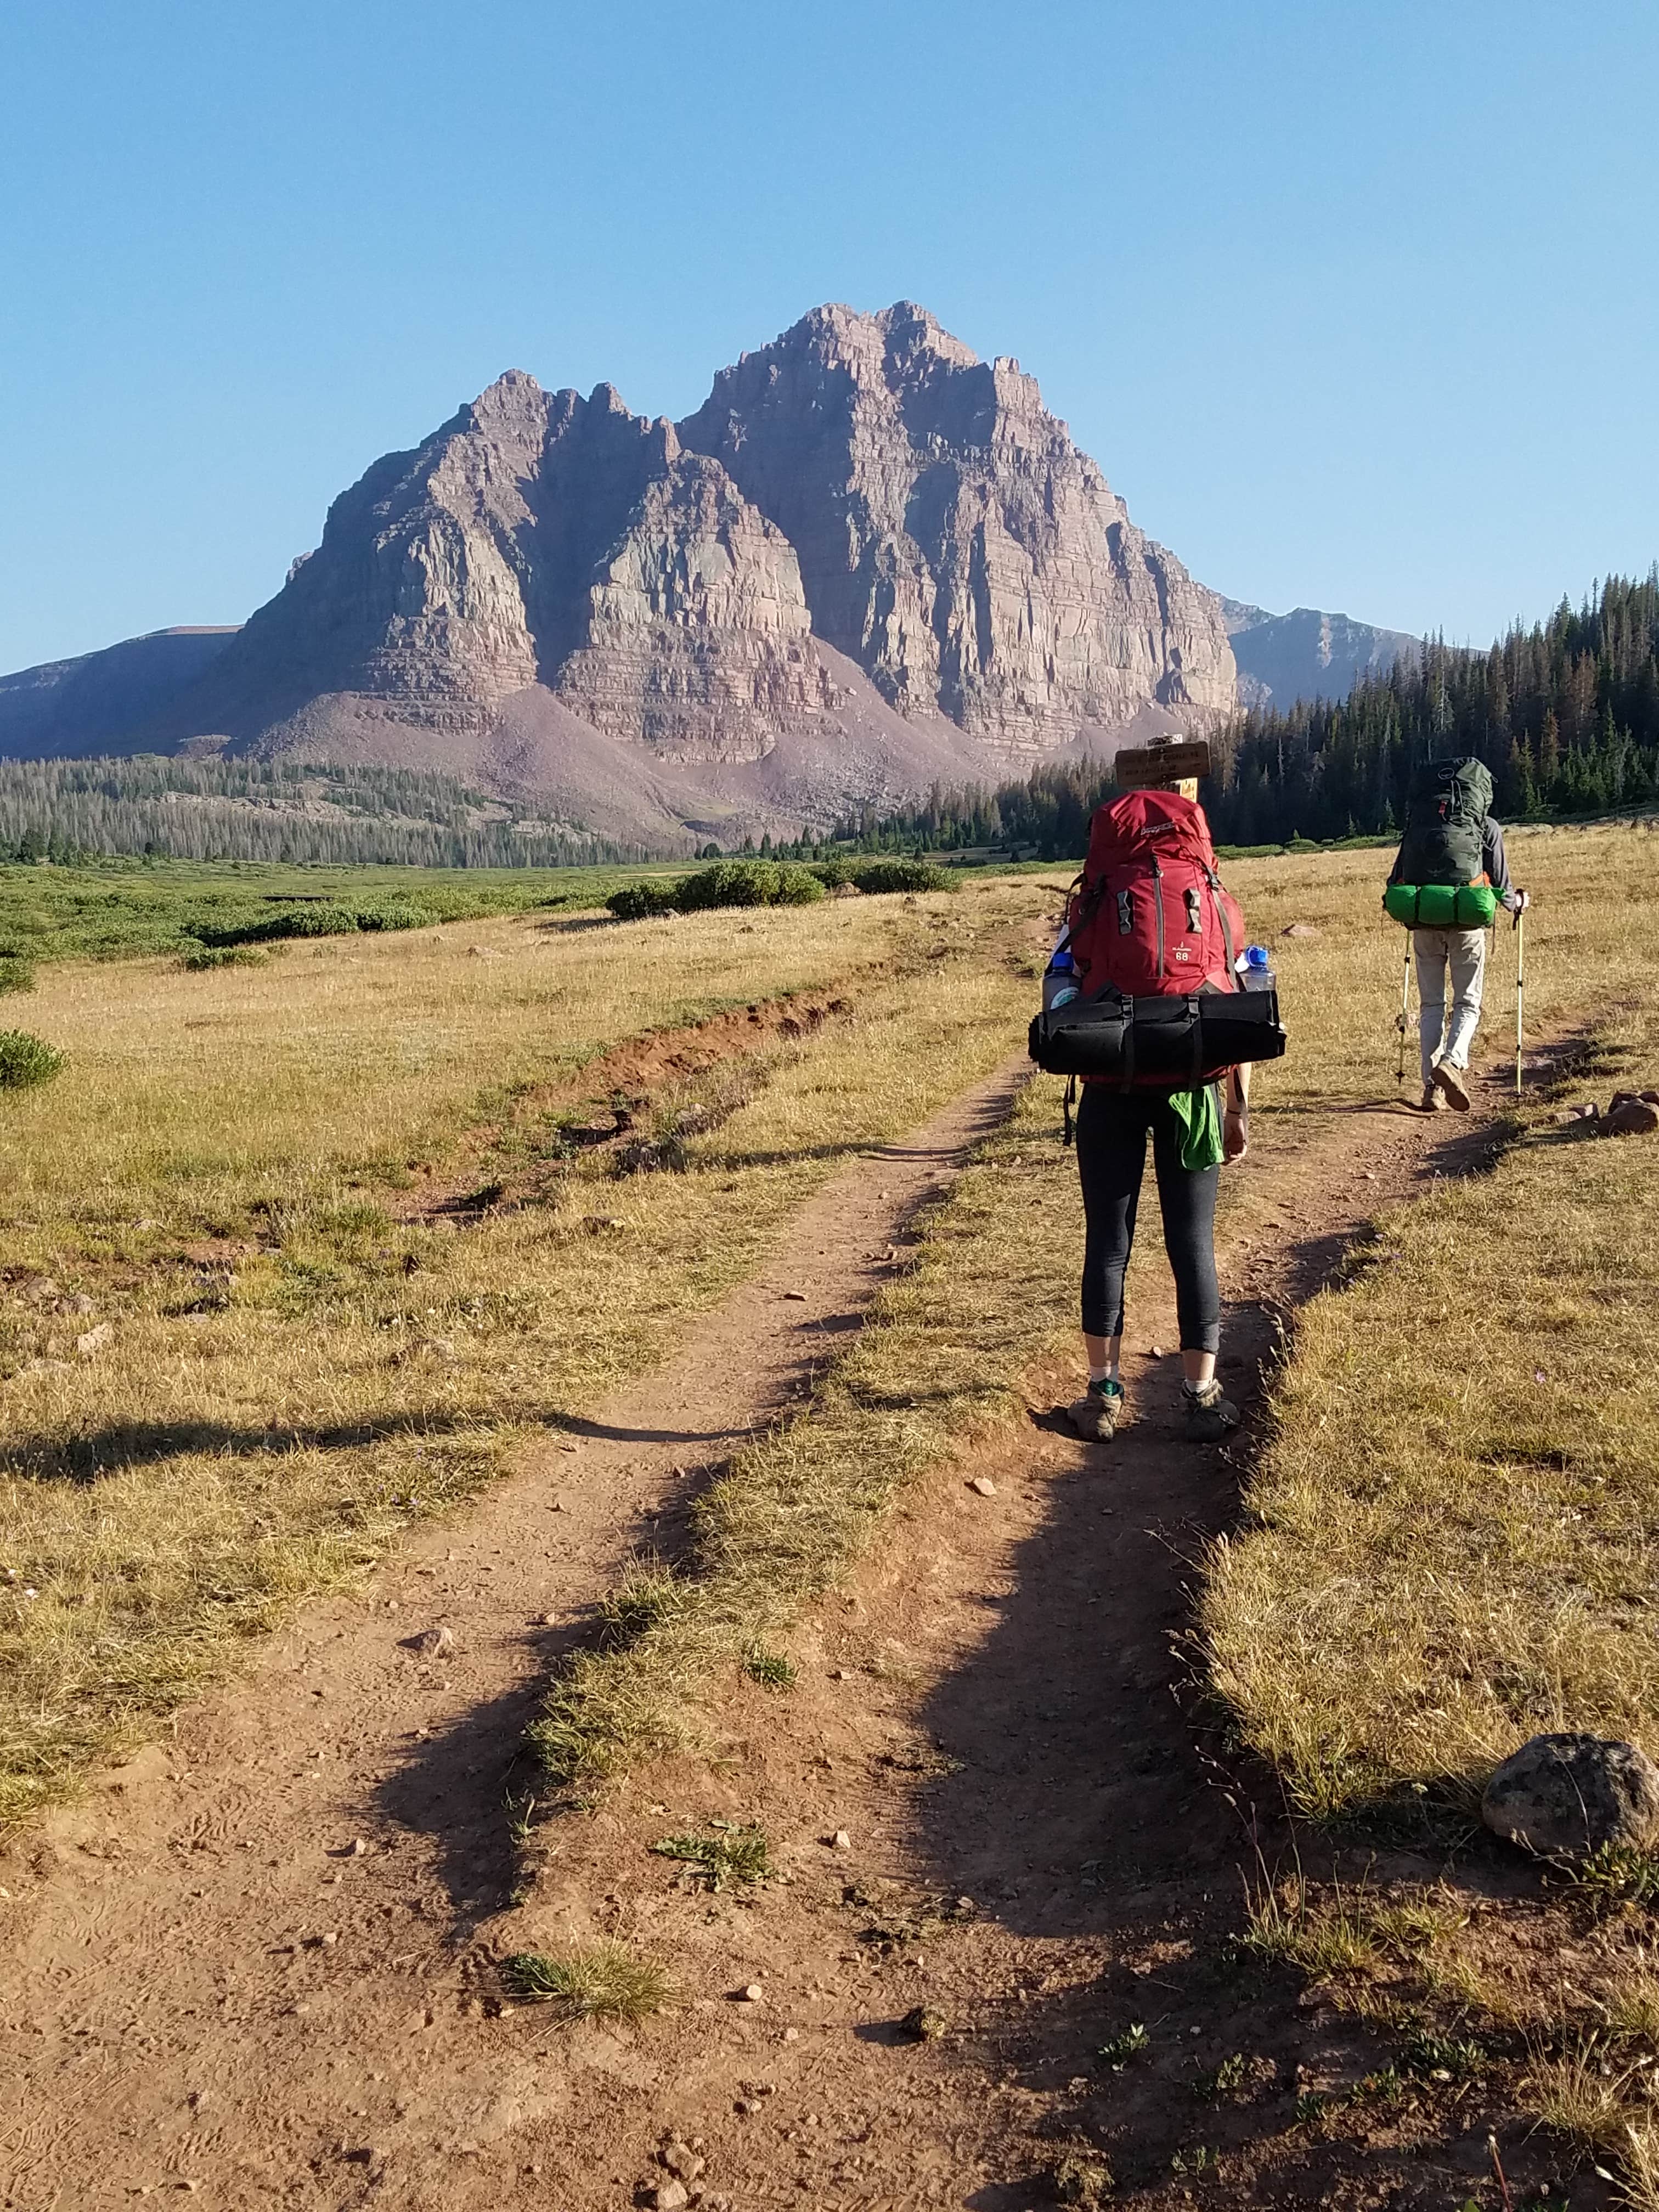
[[257, 1938]]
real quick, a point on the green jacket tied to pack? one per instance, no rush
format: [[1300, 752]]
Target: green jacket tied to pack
[[1440, 880]]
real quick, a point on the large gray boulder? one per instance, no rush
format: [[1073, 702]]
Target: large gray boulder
[[1563, 1797]]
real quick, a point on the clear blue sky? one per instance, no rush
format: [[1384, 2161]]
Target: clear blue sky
[[1355, 304]]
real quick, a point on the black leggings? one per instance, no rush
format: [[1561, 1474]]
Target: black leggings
[[1111, 1158]]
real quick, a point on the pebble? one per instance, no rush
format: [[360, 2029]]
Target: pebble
[[436, 1643], [840, 1841], [359, 1849], [680, 2158], [1157, 1353], [984, 1486], [670, 2195], [792, 2035], [753, 1993]]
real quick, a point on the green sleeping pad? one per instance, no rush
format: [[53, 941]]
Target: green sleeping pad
[[1441, 906]]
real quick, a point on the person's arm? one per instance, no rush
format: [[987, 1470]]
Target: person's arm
[[1236, 1114], [1495, 861]]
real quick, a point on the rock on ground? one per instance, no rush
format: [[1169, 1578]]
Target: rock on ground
[[1565, 1795]]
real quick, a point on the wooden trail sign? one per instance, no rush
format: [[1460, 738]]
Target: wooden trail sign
[[1171, 764]]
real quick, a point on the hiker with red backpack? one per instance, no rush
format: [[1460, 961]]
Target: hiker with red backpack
[[1151, 1001], [1448, 879]]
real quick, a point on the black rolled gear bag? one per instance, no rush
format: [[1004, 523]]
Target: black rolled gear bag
[[1172, 1041]]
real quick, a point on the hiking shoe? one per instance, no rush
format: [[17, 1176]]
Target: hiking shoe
[[1095, 1416], [1209, 1414], [1433, 1101], [1450, 1080]]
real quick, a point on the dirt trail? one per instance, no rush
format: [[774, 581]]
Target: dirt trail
[[996, 1713], [1043, 1850], [252, 1948]]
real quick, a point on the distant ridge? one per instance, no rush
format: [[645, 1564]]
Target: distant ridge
[[99, 702], [1307, 655], [868, 562]]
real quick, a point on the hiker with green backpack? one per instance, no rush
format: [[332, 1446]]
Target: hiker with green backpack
[[1448, 879]]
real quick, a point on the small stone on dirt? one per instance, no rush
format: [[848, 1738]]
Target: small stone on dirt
[[840, 1841], [1301, 929], [436, 1643], [1562, 1796], [1625, 1117], [922, 2024], [670, 2195], [983, 1485], [359, 1849], [792, 2035], [679, 2158], [752, 1993], [1157, 1353], [799, 1296]]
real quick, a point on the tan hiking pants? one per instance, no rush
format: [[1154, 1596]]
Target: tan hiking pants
[[1464, 951]]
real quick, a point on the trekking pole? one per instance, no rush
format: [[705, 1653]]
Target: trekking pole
[[1520, 987], [1399, 1023]]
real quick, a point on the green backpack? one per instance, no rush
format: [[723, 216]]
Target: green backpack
[[1442, 870]]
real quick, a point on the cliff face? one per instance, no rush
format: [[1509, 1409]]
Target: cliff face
[[953, 539], [868, 561]]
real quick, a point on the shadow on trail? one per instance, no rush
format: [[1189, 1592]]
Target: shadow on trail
[[88, 1457], [1096, 1809]]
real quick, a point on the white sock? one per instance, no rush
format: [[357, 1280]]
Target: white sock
[[1104, 1374]]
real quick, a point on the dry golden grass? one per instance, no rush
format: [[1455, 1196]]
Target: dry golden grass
[[257, 1431], [1453, 1544]]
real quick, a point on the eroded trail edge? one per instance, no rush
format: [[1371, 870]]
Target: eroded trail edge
[[246, 1959]]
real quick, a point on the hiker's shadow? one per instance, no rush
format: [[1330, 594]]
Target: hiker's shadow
[[1091, 1804]]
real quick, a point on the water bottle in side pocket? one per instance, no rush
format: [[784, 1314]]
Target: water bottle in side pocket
[[1060, 983], [1255, 969]]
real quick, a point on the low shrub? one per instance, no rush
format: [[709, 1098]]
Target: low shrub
[[727, 884], [321, 920], [730, 883], [799, 887], [16, 973], [641, 902], [26, 1059], [395, 913], [223, 955], [902, 875]]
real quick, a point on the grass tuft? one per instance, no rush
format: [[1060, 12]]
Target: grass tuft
[[731, 1854], [769, 1668], [606, 1982], [1292, 1922]]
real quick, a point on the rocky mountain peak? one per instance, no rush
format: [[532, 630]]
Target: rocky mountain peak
[[867, 547], [952, 540]]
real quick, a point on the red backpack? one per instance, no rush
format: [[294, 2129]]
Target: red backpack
[[1147, 917]]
